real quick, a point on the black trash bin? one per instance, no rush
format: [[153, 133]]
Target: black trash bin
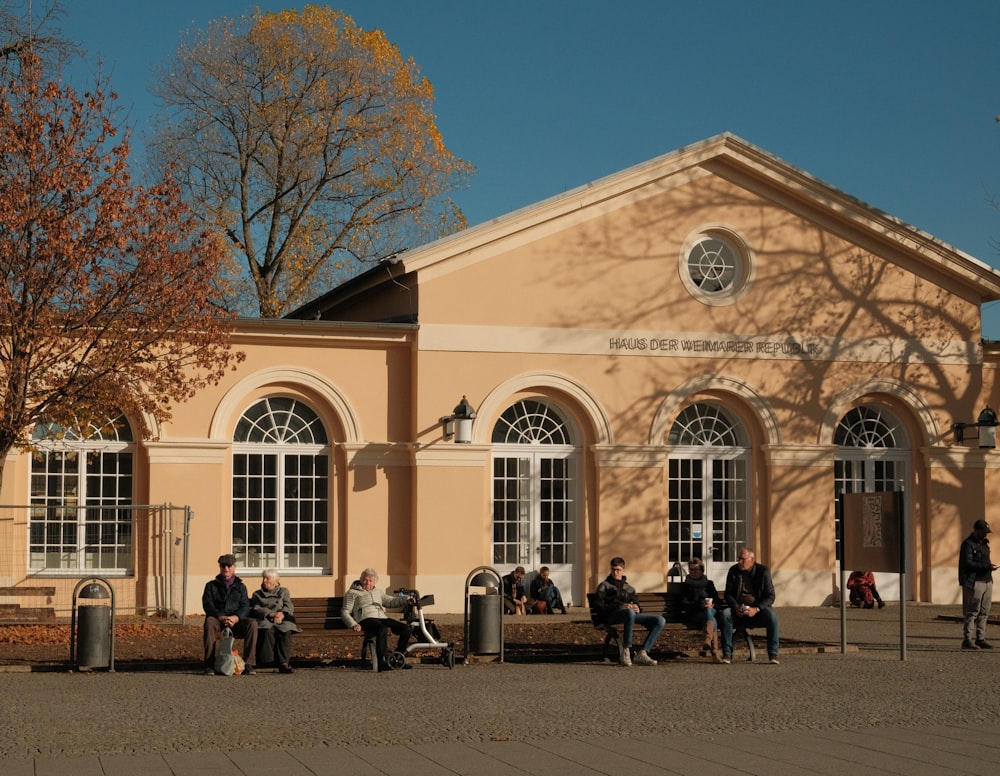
[[92, 631], [484, 613]]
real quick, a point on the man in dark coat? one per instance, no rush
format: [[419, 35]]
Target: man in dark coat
[[750, 596], [975, 575], [227, 605]]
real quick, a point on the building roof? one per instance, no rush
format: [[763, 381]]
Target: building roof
[[724, 155]]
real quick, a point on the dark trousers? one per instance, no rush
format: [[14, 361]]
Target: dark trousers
[[378, 628], [275, 646], [244, 629]]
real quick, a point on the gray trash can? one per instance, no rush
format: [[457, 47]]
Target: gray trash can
[[484, 613], [92, 633]]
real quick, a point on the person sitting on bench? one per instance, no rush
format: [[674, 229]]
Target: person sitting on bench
[[750, 595], [364, 610], [618, 605]]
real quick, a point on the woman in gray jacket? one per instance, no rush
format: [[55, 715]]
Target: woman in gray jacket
[[364, 610], [272, 607]]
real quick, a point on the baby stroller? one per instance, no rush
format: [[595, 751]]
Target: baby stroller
[[425, 634]]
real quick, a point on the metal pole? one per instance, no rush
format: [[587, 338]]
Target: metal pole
[[839, 508], [188, 514], [902, 574]]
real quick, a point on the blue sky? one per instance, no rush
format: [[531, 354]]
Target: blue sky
[[893, 101]]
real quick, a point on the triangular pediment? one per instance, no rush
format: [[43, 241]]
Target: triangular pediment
[[726, 160]]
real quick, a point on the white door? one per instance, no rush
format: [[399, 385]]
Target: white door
[[535, 496], [874, 458], [708, 484]]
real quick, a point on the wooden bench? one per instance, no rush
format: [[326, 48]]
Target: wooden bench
[[323, 614], [667, 604], [15, 613]]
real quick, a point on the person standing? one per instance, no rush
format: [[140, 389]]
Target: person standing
[[618, 605], [750, 595], [975, 575], [227, 605]]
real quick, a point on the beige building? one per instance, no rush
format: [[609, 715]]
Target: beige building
[[693, 355]]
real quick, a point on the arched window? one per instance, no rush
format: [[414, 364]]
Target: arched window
[[81, 493], [281, 478], [874, 453], [708, 486], [535, 493]]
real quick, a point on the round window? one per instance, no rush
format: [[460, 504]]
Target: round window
[[715, 269]]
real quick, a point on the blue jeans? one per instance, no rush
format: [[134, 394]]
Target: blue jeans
[[765, 618], [630, 618], [552, 597], [702, 616]]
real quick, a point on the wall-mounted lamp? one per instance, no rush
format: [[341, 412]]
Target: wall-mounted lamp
[[459, 423], [986, 424]]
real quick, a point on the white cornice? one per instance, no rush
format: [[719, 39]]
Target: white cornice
[[187, 451]]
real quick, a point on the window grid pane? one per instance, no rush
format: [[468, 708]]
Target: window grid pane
[[511, 510], [81, 488], [708, 494], [280, 490]]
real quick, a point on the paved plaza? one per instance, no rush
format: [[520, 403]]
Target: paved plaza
[[867, 712]]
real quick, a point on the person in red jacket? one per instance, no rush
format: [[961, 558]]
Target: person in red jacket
[[863, 592]]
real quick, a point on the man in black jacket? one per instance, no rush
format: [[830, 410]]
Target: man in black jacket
[[227, 605], [750, 596], [975, 575]]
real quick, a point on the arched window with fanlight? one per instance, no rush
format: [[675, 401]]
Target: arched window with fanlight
[[536, 493], [81, 494], [708, 487], [873, 456], [281, 481]]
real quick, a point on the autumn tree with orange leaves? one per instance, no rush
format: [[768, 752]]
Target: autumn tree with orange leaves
[[310, 143], [105, 302]]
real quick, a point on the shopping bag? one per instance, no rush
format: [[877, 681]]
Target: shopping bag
[[224, 662]]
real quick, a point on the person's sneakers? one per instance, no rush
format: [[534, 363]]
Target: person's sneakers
[[983, 644], [624, 656], [209, 669], [284, 668], [968, 645], [249, 670], [773, 660], [881, 604], [727, 659], [642, 658]]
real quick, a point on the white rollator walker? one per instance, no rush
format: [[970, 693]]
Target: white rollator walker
[[424, 632]]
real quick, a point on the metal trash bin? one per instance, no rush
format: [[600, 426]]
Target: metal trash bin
[[92, 627], [484, 613]]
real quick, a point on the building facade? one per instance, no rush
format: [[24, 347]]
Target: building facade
[[696, 354]]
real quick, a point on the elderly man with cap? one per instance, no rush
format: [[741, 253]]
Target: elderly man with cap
[[975, 575], [227, 605]]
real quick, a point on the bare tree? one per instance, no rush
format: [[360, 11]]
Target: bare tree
[[310, 143], [25, 25]]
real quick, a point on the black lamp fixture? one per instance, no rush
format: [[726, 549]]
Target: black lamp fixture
[[986, 425], [459, 423]]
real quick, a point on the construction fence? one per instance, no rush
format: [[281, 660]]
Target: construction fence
[[141, 551]]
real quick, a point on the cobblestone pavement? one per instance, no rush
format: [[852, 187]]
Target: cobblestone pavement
[[936, 711]]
